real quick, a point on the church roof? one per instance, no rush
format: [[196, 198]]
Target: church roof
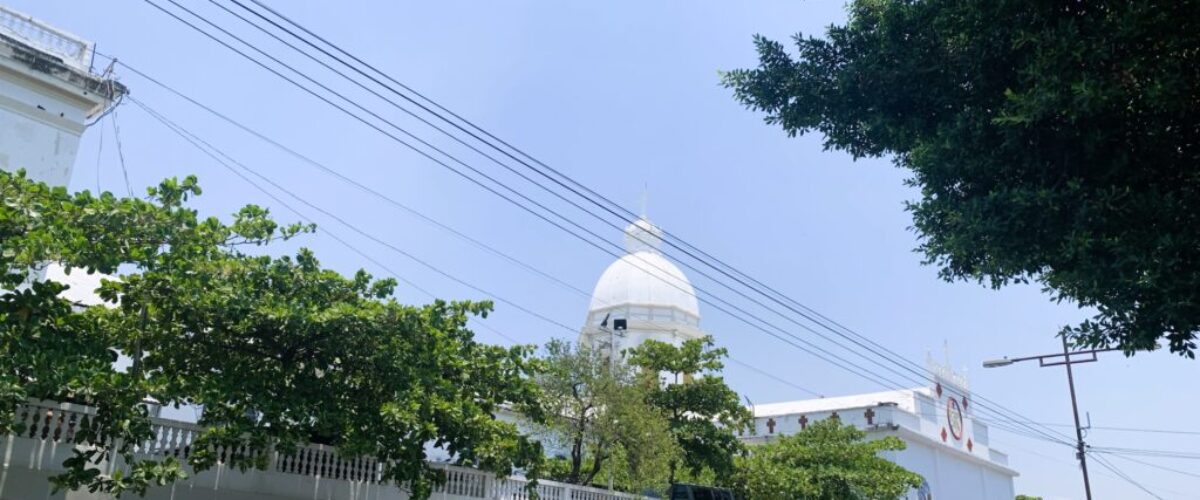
[[644, 277], [904, 399]]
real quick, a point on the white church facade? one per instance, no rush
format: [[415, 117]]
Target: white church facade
[[945, 444], [643, 296]]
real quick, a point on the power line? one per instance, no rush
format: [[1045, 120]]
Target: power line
[[979, 398], [209, 150], [575, 186], [99, 155], [607, 204], [1127, 429], [591, 241], [121, 152], [774, 377], [1071, 445], [198, 142], [1157, 466], [1112, 468], [473, 148], [365, 188], [1183, 455]]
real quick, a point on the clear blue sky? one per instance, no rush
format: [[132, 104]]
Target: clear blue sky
[[622, 95]]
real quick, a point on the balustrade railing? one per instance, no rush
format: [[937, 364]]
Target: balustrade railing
[[74, 51], [58, 423]]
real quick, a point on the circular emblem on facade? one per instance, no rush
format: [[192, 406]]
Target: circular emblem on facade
[[954, 418]]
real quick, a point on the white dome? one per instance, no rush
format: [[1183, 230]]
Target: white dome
[[644, 277]]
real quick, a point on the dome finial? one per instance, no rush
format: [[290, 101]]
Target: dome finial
[[642, 236]]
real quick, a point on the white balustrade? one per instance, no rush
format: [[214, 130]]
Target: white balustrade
[[74, 51], [43, 423]]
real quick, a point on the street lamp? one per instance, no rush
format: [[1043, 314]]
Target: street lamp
[[1046, 360], [997, 363]]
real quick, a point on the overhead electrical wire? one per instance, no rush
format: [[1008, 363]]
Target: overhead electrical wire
[[1182, 455], [343, 109], [594, 237], [1157, 466], [121, 150], [1000, 411], [471, 147], [1115, 470], [592, 234], [205, 147], [607, 204], [1127, 429], [213, 152]]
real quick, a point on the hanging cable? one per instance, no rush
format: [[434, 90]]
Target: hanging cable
[[1000, 410], [722, 267], [209, 150]]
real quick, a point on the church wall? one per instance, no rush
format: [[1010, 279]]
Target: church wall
[[39, 128], [951, 477]]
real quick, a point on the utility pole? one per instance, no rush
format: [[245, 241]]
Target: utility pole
[[1048, 360], [1080, 451]]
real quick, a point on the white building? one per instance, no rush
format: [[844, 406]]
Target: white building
[[47, 94], [945, 443], [644, 296], [641, 296]]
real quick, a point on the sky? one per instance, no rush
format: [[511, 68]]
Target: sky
[[625, 98]]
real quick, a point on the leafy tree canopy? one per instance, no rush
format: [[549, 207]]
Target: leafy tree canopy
[[278, 350], [825, 461], [598, 418], [704, 413], [1054, 142]]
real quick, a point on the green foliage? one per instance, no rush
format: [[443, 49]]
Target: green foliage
[[1054, 142], [825, 461], [598, 414], [278, 350], [704, 413], [1027, 497]]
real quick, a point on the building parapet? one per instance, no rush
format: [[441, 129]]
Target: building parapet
[[71, 50], [64, 59]]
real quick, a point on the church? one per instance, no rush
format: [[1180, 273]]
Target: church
[[644, 296], [49, 95]]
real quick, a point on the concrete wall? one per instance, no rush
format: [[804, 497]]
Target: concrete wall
[[952, 474], [41, 121]]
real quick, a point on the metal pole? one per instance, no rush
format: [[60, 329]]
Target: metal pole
[[1081, 453], [612, 351]]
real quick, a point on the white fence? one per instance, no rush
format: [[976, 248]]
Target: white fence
[[314, 471]]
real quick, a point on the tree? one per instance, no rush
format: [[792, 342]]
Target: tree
[[1027, 497], [825, 461], [703, 412], [1053, 142], [600, 419], [278, 349]]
